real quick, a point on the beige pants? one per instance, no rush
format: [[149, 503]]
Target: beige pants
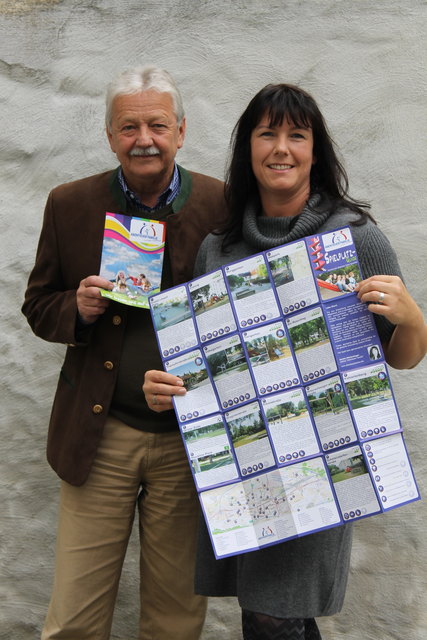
[[132, 468]]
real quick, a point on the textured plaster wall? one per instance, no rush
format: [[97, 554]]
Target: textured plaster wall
[[364, 61]]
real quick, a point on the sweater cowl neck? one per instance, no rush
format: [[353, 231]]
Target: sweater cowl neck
[[262, 232]]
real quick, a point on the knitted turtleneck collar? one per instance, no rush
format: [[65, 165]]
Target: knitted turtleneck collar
[[262, 232]]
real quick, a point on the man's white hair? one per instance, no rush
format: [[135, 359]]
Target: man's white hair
[[141, 79]]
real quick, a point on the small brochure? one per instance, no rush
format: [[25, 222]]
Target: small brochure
[[132, 258], [289, 422]]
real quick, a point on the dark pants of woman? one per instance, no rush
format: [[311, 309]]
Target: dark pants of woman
[[257, 626]]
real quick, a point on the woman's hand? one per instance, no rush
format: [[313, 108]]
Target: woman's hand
[[159, 387], [387, 296]]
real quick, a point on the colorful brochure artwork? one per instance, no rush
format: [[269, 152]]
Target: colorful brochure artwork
[[289, 421], [132, 258]]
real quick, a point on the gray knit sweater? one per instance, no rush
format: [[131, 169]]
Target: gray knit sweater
[[305, 577]]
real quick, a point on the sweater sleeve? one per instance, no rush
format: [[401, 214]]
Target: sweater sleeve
[[375, 252], [377, 257], [201, 259]]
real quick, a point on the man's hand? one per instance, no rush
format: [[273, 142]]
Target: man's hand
[[90, 303], [159, 387]]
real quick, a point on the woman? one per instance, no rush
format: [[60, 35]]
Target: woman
[[285, 182]]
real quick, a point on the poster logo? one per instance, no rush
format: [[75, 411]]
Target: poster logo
[[146, 232]]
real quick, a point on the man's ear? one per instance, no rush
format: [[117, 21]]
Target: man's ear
[[181, 132], [110, 139]]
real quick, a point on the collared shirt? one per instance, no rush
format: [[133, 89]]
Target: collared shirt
[[165, 198]]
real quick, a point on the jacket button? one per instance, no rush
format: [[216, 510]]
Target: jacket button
[[97, 408], [117, 320], [108, 365]]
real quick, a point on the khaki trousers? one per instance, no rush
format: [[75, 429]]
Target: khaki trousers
[[132, 468]]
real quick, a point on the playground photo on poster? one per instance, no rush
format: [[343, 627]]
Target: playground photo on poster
[[351, 464], [368, 391], [311, 333], [339, 281], [327, 398], [209, 296], [247, 428], [228, 360], [248, 278], [271, 346], [172, 310]]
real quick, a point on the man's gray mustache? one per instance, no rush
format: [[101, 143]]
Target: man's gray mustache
[[149, 151]]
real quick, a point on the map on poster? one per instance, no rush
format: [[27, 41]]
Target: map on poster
[[289, 419]]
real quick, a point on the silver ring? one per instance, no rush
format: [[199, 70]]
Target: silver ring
[[154, 400], [381, 297]]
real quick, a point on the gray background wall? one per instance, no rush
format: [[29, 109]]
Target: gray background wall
[[364, 61]]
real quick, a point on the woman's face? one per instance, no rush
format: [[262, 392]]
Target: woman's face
[[282, 157]]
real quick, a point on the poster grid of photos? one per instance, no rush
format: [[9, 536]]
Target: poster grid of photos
[[289, 421]]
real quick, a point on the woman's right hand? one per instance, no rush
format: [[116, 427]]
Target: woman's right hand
[[159, 387]]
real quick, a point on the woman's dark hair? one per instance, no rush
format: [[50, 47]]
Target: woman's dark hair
[[327, 175]]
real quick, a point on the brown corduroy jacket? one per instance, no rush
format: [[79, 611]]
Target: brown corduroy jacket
[[69, 250]]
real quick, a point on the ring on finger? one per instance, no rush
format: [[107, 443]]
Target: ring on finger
[[381, 297], [154, 400]]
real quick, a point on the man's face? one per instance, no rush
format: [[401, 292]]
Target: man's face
[[145, 136]]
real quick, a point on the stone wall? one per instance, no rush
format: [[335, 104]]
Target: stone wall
[[364, 61]]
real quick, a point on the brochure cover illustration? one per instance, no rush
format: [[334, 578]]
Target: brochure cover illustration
[[289, 421], [132, 258]]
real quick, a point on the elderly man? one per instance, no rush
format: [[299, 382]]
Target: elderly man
[[112, 452]]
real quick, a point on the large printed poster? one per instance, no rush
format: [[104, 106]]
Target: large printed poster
[[289, 420]]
